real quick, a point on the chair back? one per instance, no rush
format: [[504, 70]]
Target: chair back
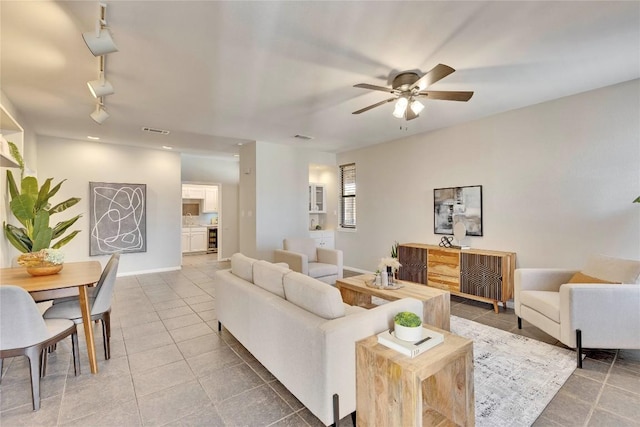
[[105, 286], [305, 246], [21, 324]]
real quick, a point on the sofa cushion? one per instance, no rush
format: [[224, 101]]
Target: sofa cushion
[[302, 246], [544, 302], [580, 277], [314, 296], [615, 270], [242, 266], [269, 276], [319, 269]]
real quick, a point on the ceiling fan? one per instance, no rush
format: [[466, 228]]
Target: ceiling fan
[[408, 86]]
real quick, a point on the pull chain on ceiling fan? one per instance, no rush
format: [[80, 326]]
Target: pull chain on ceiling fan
[[408, 86]]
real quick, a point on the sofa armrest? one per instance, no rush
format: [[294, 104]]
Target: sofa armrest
[[296, 261], [331, 256], [607, 314]]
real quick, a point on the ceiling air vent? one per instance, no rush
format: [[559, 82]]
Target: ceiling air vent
[[158, 131], [303, 137]]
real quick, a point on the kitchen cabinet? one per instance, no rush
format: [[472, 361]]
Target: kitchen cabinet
[[324, 239], [194, 239], [210, 199], [192, 191], [317, 198]]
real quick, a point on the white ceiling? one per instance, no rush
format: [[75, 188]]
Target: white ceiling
[[219, 73]]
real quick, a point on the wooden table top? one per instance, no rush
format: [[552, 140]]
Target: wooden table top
[[409, 289], [72, 275]]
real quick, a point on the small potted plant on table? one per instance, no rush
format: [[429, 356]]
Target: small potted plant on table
[[407, 326]]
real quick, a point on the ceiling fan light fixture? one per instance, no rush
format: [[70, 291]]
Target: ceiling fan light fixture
[[417, 107], [100, 115], [401, 107]]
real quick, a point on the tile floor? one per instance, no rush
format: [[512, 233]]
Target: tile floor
[[170, 367]]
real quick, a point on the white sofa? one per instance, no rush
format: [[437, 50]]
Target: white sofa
[[600, 308], [300, 330], [303, 256]]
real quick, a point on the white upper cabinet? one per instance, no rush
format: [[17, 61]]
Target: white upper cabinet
[[317, 198], [210, 199], [192, 191]]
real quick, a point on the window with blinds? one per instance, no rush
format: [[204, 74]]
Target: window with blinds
[[348, 196]]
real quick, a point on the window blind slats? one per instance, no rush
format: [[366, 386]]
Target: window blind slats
[[348, 196]]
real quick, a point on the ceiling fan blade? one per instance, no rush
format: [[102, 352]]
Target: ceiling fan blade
[[438, 72], [447, 95], [374, 106], [374, 87]]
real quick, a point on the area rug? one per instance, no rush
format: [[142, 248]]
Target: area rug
[[515, 377]]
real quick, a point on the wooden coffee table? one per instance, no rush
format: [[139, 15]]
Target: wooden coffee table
[[436, 302]]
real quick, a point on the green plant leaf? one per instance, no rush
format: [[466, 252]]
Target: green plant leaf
[[64, 205], [55, 189], [43, 194], [61, 227], [17, 238], [60, 243], [42, 240], [22, 207], [637, 200], [29, 187], [13, 188]]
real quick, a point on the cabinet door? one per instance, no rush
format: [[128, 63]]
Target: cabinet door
[[481, 275], [186, 239], [319, 198], [210, 200], [199, 239], [414, 264]]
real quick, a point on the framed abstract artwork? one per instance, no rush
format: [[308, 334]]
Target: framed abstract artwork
[[118, 218], [458, 204]]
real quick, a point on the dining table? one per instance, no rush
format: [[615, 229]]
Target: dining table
[[79, 275]]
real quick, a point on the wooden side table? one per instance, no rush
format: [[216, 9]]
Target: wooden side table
[[432, 389]]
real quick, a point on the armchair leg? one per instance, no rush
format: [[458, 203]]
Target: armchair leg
[[219, 326], [336, 410], [579, 347], [519, 323]]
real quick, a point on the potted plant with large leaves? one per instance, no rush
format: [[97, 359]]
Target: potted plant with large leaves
[[31, 206]]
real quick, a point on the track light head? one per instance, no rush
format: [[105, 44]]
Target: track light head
[[100, 41], [100, 87], [100, 115]]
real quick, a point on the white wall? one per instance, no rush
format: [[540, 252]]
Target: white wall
[[80, 162], [211, 170], [558, 181]]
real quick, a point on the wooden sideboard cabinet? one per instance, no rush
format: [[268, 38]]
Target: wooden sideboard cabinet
[[477, 274]]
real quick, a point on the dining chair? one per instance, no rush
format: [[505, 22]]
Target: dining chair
[[24, 332], [100, 304]]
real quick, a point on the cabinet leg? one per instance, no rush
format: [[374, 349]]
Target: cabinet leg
[[495, 307]]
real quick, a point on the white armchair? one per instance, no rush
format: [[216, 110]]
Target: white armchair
[[598, 308], [303, 256]]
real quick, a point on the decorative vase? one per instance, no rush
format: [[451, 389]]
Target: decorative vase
[[406, 333], [45, 270]]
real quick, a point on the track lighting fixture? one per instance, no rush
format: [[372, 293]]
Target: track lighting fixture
[[100, 41], [100, 87], [100, 115]]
